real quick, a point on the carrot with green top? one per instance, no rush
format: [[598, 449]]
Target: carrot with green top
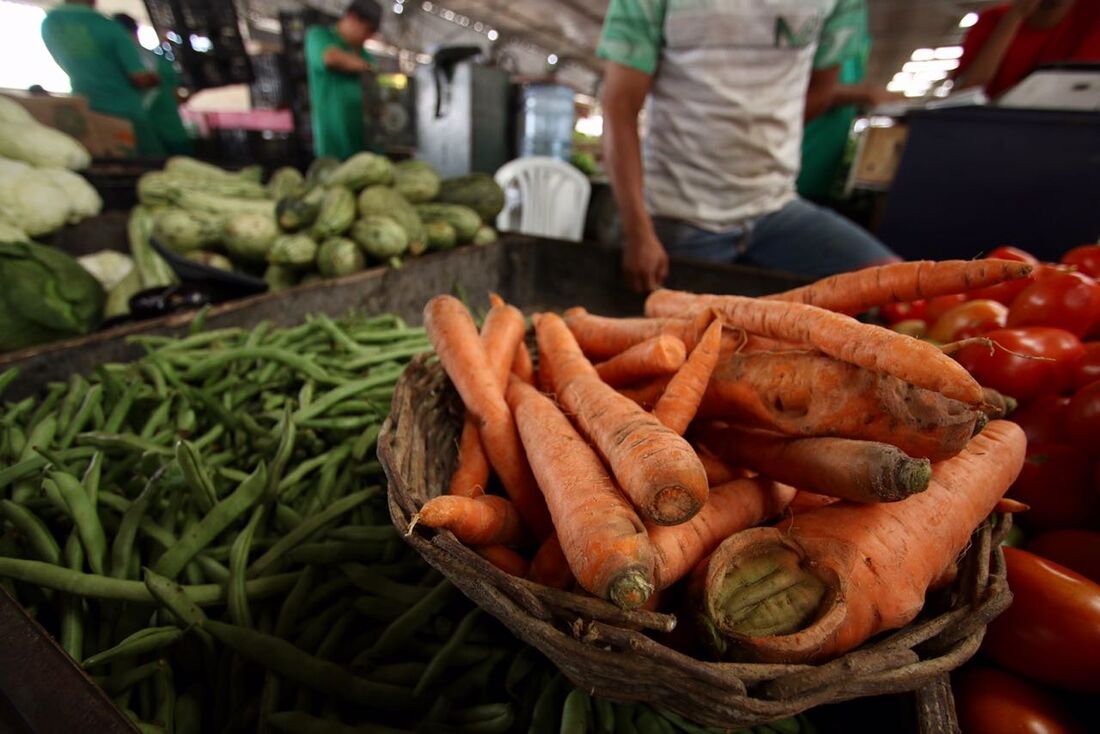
[[825, 581], [839, 336], [475, 521], [456, 341], [661, 355], [733, 506], [601, 535], [680, 400], [860, 471], [655, 467], [860, 290]]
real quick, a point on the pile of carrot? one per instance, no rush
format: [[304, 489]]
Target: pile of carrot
[[805, 478]]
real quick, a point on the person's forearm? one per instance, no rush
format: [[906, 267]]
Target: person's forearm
[[623, 154], [860, 95], [338, 60], [988, 59]]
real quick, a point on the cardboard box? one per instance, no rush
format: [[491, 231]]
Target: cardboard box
[[878, 156], [103, 135]]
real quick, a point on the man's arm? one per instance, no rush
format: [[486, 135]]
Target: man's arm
[[345, 61], [979, 65], [826, 92], [624, 91], [129, 59]]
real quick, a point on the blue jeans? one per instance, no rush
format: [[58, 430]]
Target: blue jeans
[[801, 238]]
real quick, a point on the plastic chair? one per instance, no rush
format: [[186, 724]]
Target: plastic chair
[[553, 198]]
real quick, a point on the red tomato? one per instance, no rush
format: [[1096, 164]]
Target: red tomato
[[1069, 301], [1077, 550], [1018, 376], [940, 305], [1086, 258], [1056, 482], [1083, 419], [1088, 369], [1051, 632], [895, 312], [969, 319], [1007, 252], [991, 701], [1043, 419]]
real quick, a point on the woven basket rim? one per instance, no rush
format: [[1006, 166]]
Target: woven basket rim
[[602, 648]]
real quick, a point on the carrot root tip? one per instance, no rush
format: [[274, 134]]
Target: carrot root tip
[[412, 524], [771, 593], [980, 423], [673, 506], [630, 590], [912, 476]]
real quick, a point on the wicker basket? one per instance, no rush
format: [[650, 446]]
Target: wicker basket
[[600, 648]]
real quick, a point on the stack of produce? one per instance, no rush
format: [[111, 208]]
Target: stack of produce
[[205, 531], [672, 459], [1039, 659], [39, 193], [336, 220]]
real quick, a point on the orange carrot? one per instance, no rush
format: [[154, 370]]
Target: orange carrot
[[654, 466], [501, 335], [456, 342], [471, 474], [808, 394], [823, 582], [522, 366], [495, 300], [476, 521], [839, 336], [678, 404], [601, 536], [718, 472], [506, 559], [733, 506], [603, 337], [646, 394], [805, 501], [860, 471], [660, 355], [549, 567], [858, 291]]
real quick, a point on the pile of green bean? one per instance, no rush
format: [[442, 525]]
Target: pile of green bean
[[205, 531]]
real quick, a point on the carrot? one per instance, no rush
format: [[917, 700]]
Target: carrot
[[495, 300], [659, 355], [475, 521], [452, 332], [502, 328], [646, 394], [823, 582], [805, 501], [506, 559], [732, 506], [522, 366], [471, 474], [995, 405], [858, 291], [601, 536], [807, 394], [860, 471], [839, 336], [654, 466], [549, 567], [718, 472], [678, 404]]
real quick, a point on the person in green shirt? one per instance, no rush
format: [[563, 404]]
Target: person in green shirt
[[162, 102], [336, 61], [103, 65]]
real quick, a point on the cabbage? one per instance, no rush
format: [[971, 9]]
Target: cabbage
[[46, 296], [12, 111], [83, 198], [10, 233], [32, 202], [8, 167], [109, 267], [41, 146]]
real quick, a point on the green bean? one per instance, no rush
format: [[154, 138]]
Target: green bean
[[33, 530], [287, 431], [91, 478], [604, 713], [624, 719], [211, 364], [390, 335], [286, 517], [501, 723], [238, 563], [160, 387], [46, 407], [156, 419], [7, 377], [15, 412], [77, 387], [41, 436], [186, 419], [681, 723], [544, 718], [202, 339], [330, 475], [308, 466], [649, 722], [85, 518], [522, 666], [306, 529], [407, 625], [116, 684], [121, 442], [331, 552], [368, 580], [576, 715], [216, 432], [339, 336], [189, 712], [214, 571], [72, 607], [366, 442], [337, 395], [141, 642], [391, 353], [93, 586], [314, 628], [362, 533], [335, 635], [462, 688], [442, 659], [123, 544], [92, 399], [195, 476], [298, 722], [164, 697], [402, 674], [200, 535]]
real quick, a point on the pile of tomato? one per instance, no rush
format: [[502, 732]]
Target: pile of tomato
[[1040, 661]]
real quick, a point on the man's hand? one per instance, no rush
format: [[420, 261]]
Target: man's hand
[[645, 263]]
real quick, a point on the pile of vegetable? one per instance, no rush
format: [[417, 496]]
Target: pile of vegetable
[[205, 531], [39, 193], [813, 476], [1038, 663], [335, 220]]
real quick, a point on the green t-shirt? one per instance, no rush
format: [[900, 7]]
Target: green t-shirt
[[335, 97], [162, 108], [825, 138], [99, 57]]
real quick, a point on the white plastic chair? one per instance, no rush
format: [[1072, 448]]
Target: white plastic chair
[[552, 201]]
